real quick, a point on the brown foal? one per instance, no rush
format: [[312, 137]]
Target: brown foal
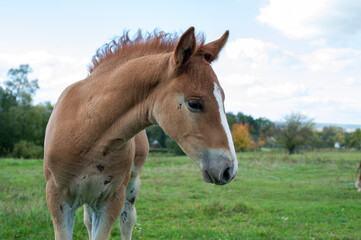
[[95, 143]]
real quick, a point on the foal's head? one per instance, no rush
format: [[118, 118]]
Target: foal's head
[[191, 110]]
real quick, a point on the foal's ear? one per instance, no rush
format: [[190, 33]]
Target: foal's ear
[[211, 50], [185, 48]]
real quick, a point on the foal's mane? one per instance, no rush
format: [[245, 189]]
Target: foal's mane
[[122, 49]]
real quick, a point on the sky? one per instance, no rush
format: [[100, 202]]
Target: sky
[[282, 56]]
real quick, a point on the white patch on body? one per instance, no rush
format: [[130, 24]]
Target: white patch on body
[[217, 94]]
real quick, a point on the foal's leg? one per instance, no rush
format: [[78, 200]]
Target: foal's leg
[[88, 220], [105, 216], [128, 216], [62, 214]]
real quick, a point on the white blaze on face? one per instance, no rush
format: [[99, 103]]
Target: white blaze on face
[[218, 96]]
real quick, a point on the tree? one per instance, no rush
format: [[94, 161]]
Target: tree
[[316, 140], [260, 129], [231, 119], [7, 101], [332, 135], [296, 132], [241, 138], [22, 115], [41, 113], [19, 84], [355, 139], [22, 124]]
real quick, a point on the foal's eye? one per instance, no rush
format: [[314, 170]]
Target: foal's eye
[[195, 105]]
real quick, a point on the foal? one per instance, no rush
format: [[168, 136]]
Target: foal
[[95, 143]]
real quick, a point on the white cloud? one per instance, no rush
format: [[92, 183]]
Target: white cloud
[[350, 80], [255, 53], [309, 18], [312, 100], [318, 42], [294, 18], [250, 48], [277, 91], [237, 79], [331, 59], [54, 72]]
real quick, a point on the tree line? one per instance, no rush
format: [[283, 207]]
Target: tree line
[[295, 133], [23, 126], [298, 132]]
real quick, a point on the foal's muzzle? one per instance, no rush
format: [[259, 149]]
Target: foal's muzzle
[[218, 169], [225, 177]]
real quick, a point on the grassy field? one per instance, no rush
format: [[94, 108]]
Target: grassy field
[[275, 196]]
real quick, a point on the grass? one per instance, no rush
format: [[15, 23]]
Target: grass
[[275, 196]]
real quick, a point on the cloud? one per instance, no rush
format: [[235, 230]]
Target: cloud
[[318, 42], [350, 80], [54, 72], [294, 18], [278, 91], [238, 79], [255, 53], [250, 48], [310, 101], [331, 59], [309, 19]]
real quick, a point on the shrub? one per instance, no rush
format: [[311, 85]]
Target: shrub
[[25, 149], [241, 138]]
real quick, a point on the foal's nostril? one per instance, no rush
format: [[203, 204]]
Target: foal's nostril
[[226, 175]]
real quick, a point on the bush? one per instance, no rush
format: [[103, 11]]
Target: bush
[[25, 149], [174, 148], [242, 139]]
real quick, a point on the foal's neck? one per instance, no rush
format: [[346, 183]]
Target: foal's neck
[[126, 96]]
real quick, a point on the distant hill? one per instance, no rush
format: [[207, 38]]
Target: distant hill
[[319, 126], [347, 127]]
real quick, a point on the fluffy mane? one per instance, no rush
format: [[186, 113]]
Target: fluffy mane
[[122, 49]]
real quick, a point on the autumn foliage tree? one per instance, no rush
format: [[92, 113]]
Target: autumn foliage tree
[[260, 129], [241, 138]]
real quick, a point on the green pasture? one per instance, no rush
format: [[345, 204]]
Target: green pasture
[[275, 196]]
